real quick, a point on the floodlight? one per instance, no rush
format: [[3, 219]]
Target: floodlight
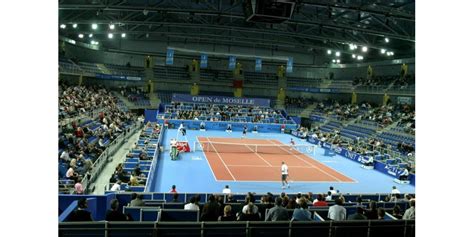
[[110, 35], [94, 26], [329, 51], [81, 36]]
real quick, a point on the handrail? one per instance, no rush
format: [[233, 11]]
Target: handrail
[[99, 164], [156, 155]]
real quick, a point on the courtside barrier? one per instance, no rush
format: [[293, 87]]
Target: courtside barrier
[[222, 125]]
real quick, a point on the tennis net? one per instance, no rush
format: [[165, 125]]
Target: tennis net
[[281, 149]]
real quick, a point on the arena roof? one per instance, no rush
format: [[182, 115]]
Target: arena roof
[[314, 27]]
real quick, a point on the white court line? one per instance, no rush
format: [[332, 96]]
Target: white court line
[[204, 153], [259, 156], [306, 167], [221, 159], [305, 161]]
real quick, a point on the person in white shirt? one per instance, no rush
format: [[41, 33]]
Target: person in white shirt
[[226, 190], [369, 161], [331, 189], [395, 190], [182, 129], [284, 175], [191, 205], [116, 186], [404, 175], [65, 156], [337, 212]]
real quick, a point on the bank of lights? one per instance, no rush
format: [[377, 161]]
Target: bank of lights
[[364, 49], [338, 54], [81, 36], [124, 35], [111, 26], [62, 26], [94, 26], [329, 51], [389, 53], [360, 57], [110, 35], [382, 51], [93, 42], [74, 25], [352, 46]]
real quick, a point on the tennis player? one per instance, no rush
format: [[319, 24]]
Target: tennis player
[[182, 129], [244, 132], [284, 175], [292, 144]]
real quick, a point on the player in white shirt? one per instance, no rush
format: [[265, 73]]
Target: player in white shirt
[[395, 190], [182, 129], [292, 144], [284, 175]]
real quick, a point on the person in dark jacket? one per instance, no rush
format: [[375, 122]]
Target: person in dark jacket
[[371, 213], [114, 214], [81, 214], [210, 211], [359, 215]]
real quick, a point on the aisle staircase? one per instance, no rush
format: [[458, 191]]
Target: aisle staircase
[[306, 113]]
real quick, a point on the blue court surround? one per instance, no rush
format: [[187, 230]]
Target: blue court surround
[[192, 173]]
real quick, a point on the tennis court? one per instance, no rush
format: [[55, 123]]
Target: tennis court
[[237, 159]]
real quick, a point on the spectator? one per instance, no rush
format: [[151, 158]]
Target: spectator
[[116, 186], [371, 213], [114, 214], [320, 202], [359, 215], [248, 201], [333, 192], [395, 190], [228, 215], [226, 190], [137, 200], [404, 174], [81, 214], [410, 212], [248, 215], [210, 211], [192, 204], [380, 213], [291, 204], [397, 212], [277, 213], [302, 213], [173, 189], [78, 189], [337, 212], [329, 196], [230, 198]]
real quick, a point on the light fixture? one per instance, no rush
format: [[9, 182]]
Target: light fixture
[[351, 46], [329, 51], [94, 26], [338, 54], [74, 25], [112, 26], [81, 36], [93, 42], [123, 35], [90, 35], [62, 26], [338, 61], [382, 51], [110, 35], [364, 49], [334, 61], [387, 40], [360, 57], [353, 56]]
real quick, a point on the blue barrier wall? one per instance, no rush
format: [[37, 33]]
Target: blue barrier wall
[[261, 127], [97, 207], [297, 119], [150, 115], [379, 166], [151, 182]]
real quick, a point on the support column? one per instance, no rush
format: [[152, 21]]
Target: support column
[[81, 80], [385, 99], [282, 85], [238, 80], [354, 98]]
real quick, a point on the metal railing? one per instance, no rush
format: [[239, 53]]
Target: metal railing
[[110, 151]]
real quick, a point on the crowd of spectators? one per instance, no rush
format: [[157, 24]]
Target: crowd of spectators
[[133, 93], [217, 112], [217, 207], [80, 144], [298, 102], [375, 80], [81, 100]]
